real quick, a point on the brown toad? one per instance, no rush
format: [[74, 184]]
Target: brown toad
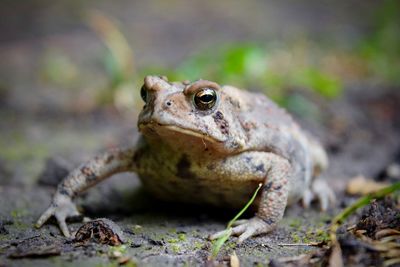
[[203, 143]]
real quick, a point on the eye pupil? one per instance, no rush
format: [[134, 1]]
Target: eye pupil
[[205, 99], [143, 94]]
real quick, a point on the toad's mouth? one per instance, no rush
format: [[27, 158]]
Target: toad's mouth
[[163, 128]]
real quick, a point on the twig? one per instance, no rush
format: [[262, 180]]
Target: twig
[[312, 244]]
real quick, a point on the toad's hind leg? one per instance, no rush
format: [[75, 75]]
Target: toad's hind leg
[[275, 171]]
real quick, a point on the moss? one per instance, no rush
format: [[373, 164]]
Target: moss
[[197, 245], [316, 235], [117, 251], [182, 237], [295, 223], [111, 264], [172, 231], [195, 233], [231, 245], [176, 248], [296, 238], [137, 229], [18, 213], [172, 240], [322, 235], [130, 264]]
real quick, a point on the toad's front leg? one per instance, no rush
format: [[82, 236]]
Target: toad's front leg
[[273, 201], [82, 178]]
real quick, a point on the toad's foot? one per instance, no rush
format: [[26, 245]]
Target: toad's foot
[[247, 228], [321, 191], [82, 178], [61, 208]]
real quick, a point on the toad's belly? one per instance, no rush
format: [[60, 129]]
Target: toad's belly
[[175, 176], [200, 190], [203, 179]]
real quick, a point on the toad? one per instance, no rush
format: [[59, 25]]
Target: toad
[[205, 143]]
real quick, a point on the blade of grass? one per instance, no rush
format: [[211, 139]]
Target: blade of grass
[[114, 39], [220, 242], [245, 207], [228, 231]]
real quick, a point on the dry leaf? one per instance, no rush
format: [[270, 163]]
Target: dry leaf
[[359, 185], [235, 260], [335, 259], [386, 232]]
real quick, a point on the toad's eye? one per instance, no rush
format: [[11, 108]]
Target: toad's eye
[[143, 93], [205, 98]]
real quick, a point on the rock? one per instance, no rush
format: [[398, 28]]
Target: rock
[[36, 247]]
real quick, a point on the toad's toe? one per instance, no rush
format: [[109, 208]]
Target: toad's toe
[[308, 196], [323, 193], [246, 229]]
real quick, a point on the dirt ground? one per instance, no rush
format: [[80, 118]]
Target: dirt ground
[[43, 135]]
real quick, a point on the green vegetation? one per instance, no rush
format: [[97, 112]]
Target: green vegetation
[[316, 235], [118, 250], [137, 229], [176, 248], [381, 50], [18, 221], [295, 237], [118, 62], [197, 245], [116, 264], [217, 244], [173, 240], [18, 213], [182, 237], [58, 69], [274, 68], [295, 223]]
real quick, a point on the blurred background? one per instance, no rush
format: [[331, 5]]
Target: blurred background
[[70, 71], [70, 74]]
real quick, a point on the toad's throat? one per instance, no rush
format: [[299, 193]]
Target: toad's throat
[[177, 129]]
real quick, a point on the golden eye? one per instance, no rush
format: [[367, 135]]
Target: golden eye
[[205, 98], [143, 93]]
